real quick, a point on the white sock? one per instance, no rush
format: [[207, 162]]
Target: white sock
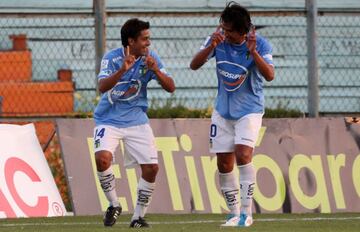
[[230, 189], [107, 182], [144, 195], [247, 185]]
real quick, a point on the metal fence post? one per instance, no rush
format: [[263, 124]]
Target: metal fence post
[[313, 76], [99, 8]]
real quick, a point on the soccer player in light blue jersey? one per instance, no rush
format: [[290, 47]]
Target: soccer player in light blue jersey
[[243, 60], [121, 114]]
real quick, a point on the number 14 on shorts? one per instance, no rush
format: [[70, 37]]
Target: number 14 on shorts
[[99, 133]]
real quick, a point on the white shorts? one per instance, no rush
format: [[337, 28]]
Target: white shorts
[[224, 134], [139, 143]]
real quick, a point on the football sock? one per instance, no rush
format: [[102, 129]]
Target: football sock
[[247, 184], [107, 182], [144, 194], [230, 189]]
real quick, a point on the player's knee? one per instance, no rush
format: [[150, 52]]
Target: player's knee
[[153, 169], [243, 159], [150, 170], [225, 167], [103, 161]]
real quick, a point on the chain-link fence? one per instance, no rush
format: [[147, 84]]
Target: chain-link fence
[[47, 62]]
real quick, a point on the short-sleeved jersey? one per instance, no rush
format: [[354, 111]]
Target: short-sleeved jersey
[[126, 103], [240, 84]]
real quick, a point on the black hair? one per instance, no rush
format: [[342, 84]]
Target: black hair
[[238, 16], [132, 29]]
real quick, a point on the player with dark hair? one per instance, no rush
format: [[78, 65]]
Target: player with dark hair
[[243, 59], [121, 114]]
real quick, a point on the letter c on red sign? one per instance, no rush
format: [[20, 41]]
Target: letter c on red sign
[[13, 165]]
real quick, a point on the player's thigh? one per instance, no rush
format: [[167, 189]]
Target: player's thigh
[[221, 134], [247, 129], [139, 144]]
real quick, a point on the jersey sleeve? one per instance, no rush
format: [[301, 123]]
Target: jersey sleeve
[[107, 67], [266, 51], [207, 43]]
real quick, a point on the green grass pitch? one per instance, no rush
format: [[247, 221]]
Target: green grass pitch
[[190, 222]]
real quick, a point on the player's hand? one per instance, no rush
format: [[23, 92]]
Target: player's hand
[[251, 40], [129, 60], [217, 37], [150, 62]]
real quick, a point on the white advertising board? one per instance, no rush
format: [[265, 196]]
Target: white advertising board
[[27, 187]]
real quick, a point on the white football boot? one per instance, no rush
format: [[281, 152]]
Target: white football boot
[[245, 220], [233, 220]]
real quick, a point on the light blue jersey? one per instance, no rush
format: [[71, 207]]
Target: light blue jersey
[[240, 84], [126, 103]]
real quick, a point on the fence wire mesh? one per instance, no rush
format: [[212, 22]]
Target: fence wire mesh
[[47, 62]]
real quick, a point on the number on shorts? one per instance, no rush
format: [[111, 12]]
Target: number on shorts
[[100, 133], [212, 130]]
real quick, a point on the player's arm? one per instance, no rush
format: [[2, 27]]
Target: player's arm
[[267, 70], [164, 80], [107, 83], [202, 56]]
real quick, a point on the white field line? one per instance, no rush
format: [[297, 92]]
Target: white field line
[[178, 222]]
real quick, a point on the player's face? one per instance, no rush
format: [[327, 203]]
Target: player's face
[[139, 47], [231, 35]]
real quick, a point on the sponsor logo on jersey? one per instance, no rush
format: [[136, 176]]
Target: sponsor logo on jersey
[[268, 57], [105, 73], [104, 64], [232, 75], [124, 91], [116, 59]]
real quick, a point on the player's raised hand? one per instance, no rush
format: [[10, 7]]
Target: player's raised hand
[[150, 62], [217, 37], [251, 39], [129, 59]]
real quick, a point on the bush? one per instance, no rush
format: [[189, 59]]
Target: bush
[[53, 157], [178, 112], [282, 113]]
